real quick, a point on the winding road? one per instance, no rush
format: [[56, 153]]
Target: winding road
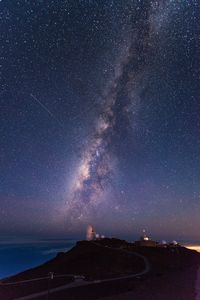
[[81, 282]]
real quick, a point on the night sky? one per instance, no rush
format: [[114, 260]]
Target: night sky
[[100, 117]]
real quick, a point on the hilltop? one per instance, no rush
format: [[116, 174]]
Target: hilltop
[[94, 260], [94, 269]]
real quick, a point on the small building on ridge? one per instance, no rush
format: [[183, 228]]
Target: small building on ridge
[[145, 241]]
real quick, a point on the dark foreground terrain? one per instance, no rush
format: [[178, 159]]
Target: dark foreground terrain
[[109, 269]]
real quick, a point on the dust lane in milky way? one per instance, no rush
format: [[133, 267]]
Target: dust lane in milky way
[[99, 160]]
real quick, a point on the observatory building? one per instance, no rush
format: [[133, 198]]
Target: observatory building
[[90, 233], [146, 241]]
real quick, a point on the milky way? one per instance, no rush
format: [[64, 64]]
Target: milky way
[[99, 159], [100, 117]]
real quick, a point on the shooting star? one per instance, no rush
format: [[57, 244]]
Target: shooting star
[[46, 109]]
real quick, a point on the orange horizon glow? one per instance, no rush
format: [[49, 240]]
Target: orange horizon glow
[[193, 247]]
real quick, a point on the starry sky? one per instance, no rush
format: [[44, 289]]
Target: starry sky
[[100, 117]]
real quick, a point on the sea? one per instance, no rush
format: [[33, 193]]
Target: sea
[[17, 256]]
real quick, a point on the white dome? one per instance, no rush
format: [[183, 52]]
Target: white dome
[[174, 242], [163, 242]]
